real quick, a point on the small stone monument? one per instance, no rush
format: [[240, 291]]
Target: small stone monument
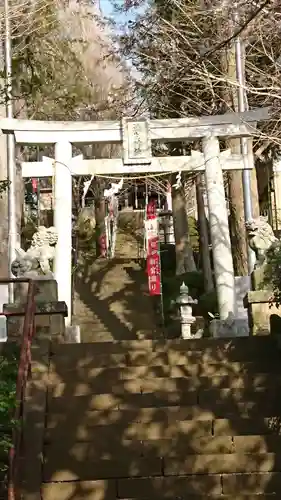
[[186, 302], [262, 313], [72, 334], [228, 328]]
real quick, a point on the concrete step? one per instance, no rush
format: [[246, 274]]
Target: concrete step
[[255, 396], [89, 427], [85, 491], [242, 347], [148, 423], [69, 468], [229, 484], [257, 407], [226, 401], [56, 453], [211, 376], [136, 353], [79, 430], [110, 446], [108, 380], [191, 365], [263, 486], [120, 401]]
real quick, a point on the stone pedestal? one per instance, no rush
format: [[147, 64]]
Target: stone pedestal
[[258, 278], [46, 291], [264, 318], [238, 327], [45, 324]]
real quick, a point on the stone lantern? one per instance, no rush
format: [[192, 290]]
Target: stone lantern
[[185, 303]]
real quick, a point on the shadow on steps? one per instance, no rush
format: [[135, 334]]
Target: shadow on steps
[[112, 302], [147, 419]]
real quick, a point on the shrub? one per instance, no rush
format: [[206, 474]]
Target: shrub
[[8, 376], [272, 273]]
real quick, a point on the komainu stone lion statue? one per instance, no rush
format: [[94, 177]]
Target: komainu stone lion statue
[[261, 238], [35, 262]]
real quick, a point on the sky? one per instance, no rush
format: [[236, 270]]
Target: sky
[[119, 18], [107, 10], [106, 7]]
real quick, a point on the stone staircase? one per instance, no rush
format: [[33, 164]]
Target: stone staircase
[[111, 299], [113, 303], [154, 419]]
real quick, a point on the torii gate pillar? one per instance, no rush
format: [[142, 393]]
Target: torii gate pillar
[[63, 223], [219, 228]]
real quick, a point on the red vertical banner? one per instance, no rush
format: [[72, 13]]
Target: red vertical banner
[[153, 263], [34, 183], [151, 210]]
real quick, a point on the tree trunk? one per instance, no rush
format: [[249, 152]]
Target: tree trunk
[[184, 255], [204, 237], [237, 221], [235, 184]]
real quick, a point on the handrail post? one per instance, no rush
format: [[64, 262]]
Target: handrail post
[[22, 376]]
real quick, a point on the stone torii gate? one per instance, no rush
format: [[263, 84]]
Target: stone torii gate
[[136, 136]]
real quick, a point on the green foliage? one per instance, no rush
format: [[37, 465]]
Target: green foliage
[[59, 68], [208, 303], [171, 287], [4, 184], [47, 72], [272, 273], [168, 260], [8, 375]]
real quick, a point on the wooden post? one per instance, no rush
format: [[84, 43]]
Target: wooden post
[[218, 219]]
